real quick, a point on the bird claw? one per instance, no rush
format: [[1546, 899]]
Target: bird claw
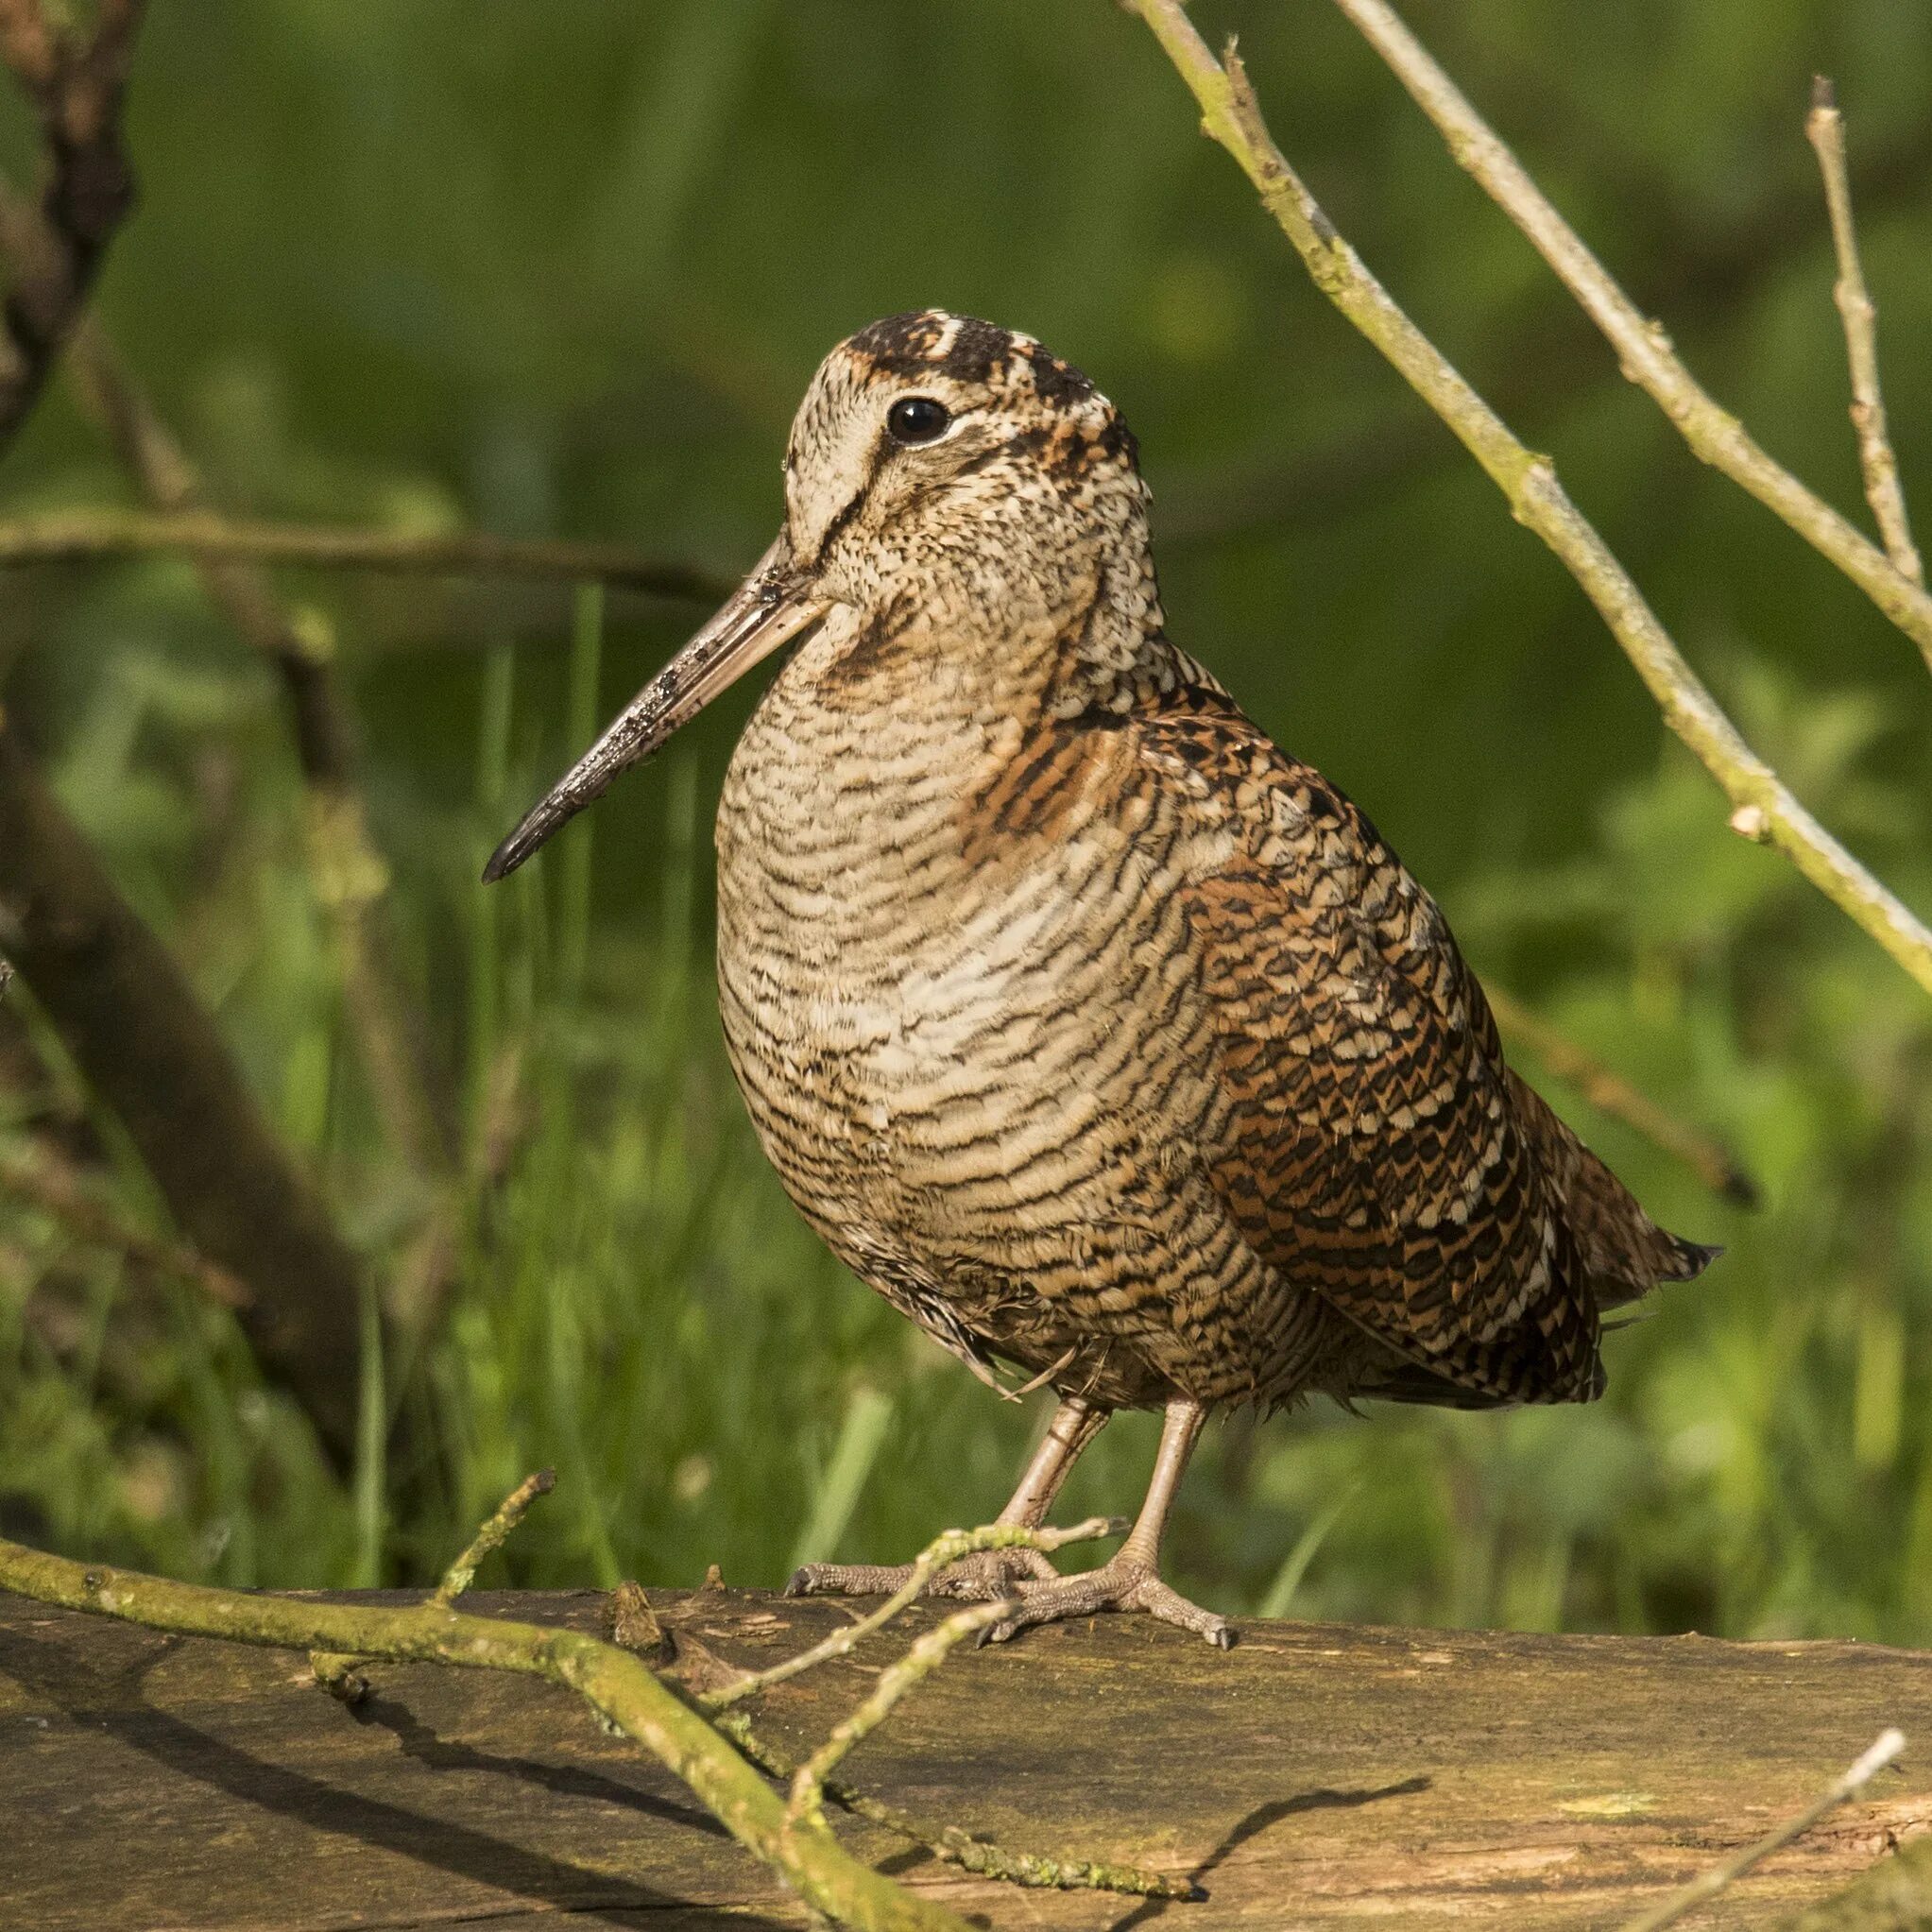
[[1123, 1583], [984, 1577]]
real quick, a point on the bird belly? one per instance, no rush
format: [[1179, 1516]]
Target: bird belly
[[989, 1089]]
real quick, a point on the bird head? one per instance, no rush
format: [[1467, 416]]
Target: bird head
[[935, 459]]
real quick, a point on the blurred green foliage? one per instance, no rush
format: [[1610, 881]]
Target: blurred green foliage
[[566, 270]]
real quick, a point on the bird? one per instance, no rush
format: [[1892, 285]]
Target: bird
[[1103, 1038]]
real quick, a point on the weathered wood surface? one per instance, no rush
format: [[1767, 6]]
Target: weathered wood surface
[[1314, 1776]]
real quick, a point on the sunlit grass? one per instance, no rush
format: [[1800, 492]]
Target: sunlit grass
[[638, 1306]]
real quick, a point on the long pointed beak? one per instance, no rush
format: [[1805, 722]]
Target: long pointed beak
[[770, 607]]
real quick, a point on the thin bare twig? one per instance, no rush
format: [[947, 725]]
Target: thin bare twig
[[1232, 116], [1609, 1092], [77, 87], [1696, 266], [83, 535], [943, 1550], [1824, 127], [1643, 348], [341, 1673], [1707, 1885]]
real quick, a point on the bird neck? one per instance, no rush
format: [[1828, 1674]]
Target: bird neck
[[988, 637]]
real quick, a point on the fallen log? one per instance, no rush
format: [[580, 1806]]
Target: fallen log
[[1316, 1775]]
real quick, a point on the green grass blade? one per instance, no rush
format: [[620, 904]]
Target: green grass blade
[[861, 1435]]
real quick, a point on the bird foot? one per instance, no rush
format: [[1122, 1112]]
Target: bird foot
[[985, 1577], [1123, 1583]]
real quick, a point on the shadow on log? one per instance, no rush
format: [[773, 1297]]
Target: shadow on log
[[1314, 1776]]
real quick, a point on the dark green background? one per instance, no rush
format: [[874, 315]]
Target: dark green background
[[565, 270]]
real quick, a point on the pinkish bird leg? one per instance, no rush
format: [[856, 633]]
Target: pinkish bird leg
[[989, 1574], [1130, 1579]]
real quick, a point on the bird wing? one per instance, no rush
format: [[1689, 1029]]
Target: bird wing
[[1374, 1147]]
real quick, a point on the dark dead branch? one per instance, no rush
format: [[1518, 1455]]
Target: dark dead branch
[[77, 84], [148, 1048]]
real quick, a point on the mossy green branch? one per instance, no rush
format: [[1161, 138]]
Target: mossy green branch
[[614, 1684], [1765, 806]]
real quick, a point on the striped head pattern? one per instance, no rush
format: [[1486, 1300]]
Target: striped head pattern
[[938, 457], [944, 478]]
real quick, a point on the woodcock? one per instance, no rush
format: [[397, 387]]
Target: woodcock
[[1100, 1036]]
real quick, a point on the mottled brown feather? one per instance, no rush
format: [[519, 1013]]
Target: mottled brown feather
[[1379, 1150], [1087, 1026]]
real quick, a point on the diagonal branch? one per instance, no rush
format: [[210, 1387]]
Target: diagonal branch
[[1232, 116], [1824, 127], [1643, 348], [77, 88], [1610, 1093], [953, 1845], [145, 1043], [1707, 1885], [347, 870], [806, 1806]]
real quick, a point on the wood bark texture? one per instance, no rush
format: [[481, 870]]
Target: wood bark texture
[[1314, 1776]]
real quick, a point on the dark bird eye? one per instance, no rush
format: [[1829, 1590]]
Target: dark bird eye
[[918, 419]]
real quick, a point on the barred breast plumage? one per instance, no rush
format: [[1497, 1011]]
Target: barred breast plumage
[[1099, 1034]]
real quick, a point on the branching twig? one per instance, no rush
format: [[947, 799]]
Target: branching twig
[[1643, 348], [80, 535], [1707, 1885], [957, 1847], [340, 1673], [618, 1686], [1824, 127], [807, 1802], [629, 1698], [942, 1550], [1609, 1092], [1232, 116]]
